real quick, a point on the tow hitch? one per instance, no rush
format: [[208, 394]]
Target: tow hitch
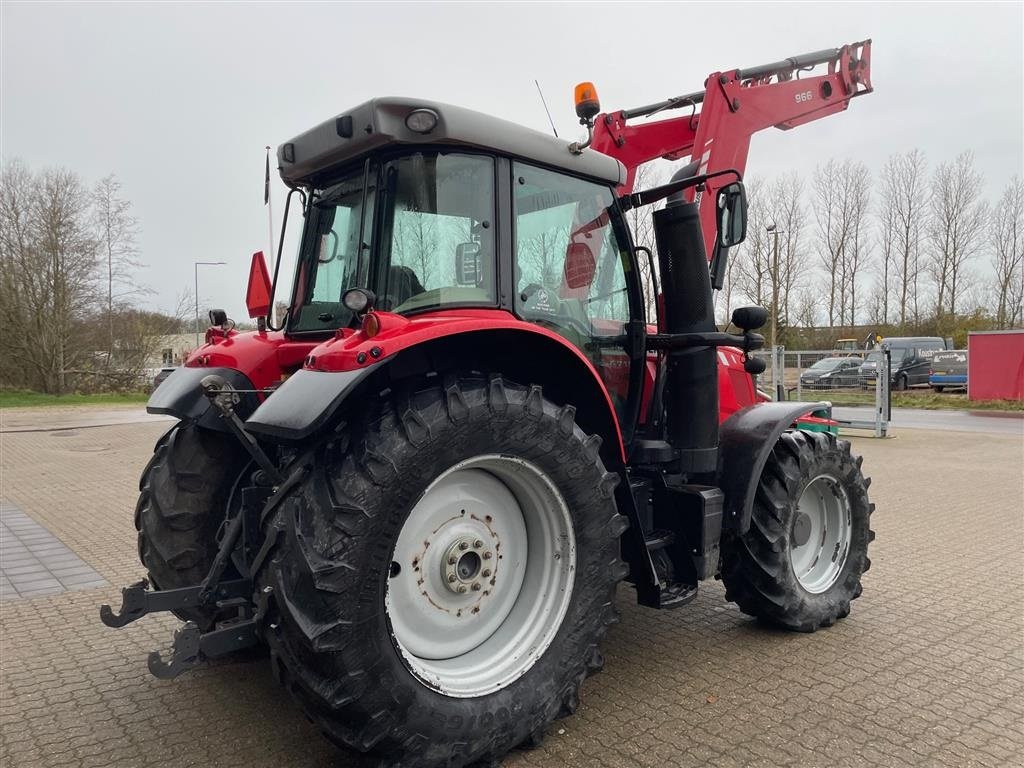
[[191, 645]]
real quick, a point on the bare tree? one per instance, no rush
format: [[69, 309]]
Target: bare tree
[[790, 217], [49, 256], [1008, 255], [955, 228], [841, 197], [888, 235], [753, 257], [905, 194], [116, 230]]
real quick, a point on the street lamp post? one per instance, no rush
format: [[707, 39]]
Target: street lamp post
[[775, 232], [196, 265]]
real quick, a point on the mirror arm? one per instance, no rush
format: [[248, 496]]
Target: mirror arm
[[653, 195], [280, 248]]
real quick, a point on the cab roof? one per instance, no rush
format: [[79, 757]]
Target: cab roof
[[381, 122]]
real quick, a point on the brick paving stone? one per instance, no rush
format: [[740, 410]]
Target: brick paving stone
[[928, 670]]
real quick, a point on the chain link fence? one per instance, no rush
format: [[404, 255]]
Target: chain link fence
[[843, 377]]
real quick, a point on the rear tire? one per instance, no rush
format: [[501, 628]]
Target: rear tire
[[346, 653], [937, 389], [901, 383], [183, 500], [799, 565]]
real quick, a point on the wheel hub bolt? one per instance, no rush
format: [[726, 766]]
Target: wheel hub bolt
[[487, 555], [476, 586], [477, 544], [452, 560], [451, 578], [463, 545], [462, 589], [486, 572]]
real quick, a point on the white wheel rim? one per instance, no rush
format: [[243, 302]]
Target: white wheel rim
[[481, 575], [821, 534]]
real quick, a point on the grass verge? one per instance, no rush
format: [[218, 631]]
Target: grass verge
[[24, 399]]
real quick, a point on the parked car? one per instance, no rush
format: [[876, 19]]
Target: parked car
[[163, 374], [910, 358], [949, 370], [832, 373]]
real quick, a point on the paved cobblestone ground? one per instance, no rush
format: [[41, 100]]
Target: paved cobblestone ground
[[927, 670]]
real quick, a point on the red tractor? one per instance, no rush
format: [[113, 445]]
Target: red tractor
[[421, 491]]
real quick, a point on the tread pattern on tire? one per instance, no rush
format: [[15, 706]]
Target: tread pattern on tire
[[183, 494], [327, 595], [755, 565]]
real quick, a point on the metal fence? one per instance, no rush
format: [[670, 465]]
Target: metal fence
[[845, 377]]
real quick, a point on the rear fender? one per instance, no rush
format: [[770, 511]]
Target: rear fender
[[746, 440], [308, 400]]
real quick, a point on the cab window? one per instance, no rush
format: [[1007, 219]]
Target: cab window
[[572, 267], [439, 241]]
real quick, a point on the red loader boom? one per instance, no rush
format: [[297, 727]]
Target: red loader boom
[[733, 106]]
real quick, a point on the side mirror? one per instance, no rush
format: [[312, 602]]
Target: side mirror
[[731, 210], [468, 264], [257, 294], [580, 266], [731, 220]]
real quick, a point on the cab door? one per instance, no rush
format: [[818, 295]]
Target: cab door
[[574, 274]]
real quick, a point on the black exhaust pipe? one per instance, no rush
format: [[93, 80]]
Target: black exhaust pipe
[[691, 385]]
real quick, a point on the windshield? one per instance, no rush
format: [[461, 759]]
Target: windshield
[[431, 245], [827, 364]]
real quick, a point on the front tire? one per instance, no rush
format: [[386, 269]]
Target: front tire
[[375, 625], [799, 565]]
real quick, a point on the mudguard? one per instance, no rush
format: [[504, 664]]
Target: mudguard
[[181, 396], [305, 402], [745, 441]]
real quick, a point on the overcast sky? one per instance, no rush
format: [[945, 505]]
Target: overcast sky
[[178, 100]]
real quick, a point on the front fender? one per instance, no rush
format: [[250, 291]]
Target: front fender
[[745, 441], [181, 396]]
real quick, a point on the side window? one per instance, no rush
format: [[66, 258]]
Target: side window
[[333, 259], [441, 248], [571, 269]]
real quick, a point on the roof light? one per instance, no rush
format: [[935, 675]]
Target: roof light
[[358, 300], [587, 103], [421, 120]]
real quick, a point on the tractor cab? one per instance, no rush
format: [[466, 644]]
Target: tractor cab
[[425, 208]]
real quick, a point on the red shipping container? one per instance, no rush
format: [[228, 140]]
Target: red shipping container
[[995, 365]]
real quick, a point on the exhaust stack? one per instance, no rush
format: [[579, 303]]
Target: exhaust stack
[[691, 399]]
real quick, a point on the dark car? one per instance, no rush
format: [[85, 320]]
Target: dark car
[[949, 370], [832, 372], [910, 360]]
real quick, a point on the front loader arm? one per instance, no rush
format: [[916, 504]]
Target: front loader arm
[[733, 106]]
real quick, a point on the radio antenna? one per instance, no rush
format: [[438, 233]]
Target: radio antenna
[[542, 101]]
